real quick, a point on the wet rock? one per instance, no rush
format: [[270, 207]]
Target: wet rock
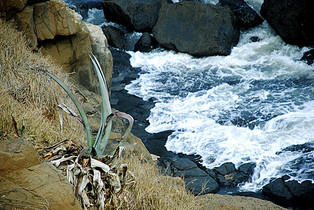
[[146, 43], [255, 39], [116, 37], [225, 168], [138, 15], [246, 16], [308, 57], [290, 193], [196, 28], [291, 19], [197, 180]]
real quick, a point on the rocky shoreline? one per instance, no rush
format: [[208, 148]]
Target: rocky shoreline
[[223, 179]]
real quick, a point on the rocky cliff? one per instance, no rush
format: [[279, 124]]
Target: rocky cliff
[[57, 31]]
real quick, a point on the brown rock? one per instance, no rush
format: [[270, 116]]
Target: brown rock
[[133, 147], [25, 22], [17, 5], [54, 18], [47, 181], [216, 201], [16, 154]]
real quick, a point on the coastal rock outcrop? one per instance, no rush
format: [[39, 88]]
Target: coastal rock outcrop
[[57, 31], [138, 15], [196, 28], [290, 193], [245, 15], [291, 19], [29, 184]]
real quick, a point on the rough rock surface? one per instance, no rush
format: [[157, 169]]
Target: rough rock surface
[[28, 184], [146, 43], [245, 15], [116, 37], [291, 19], [138, 15], [196, 28], [59, 33], [197, 180], [290, 193]]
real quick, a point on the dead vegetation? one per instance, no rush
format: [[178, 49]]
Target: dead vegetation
[[29, 95]]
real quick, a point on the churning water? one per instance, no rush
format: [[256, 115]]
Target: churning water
[[250, 106], [255, 105]]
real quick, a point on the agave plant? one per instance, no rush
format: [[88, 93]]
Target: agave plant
[[100, 142], [94, 181]]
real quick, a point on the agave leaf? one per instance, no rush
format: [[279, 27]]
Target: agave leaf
[[23, 129], [104, 131], [88, 131], [127, 131]]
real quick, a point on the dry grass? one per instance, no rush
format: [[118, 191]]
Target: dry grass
[[152, 190], [29, 95]]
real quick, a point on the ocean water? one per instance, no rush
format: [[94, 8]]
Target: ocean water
[[254, 105]]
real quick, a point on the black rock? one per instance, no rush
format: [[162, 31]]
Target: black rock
[[291, 19], [115, 36], [247, 168], [225, 168], [82, 7], [146, 43], [196, 28], [246, 16], [290, 193], [201, 185], [255, 39], [308, 57], [138, 15]]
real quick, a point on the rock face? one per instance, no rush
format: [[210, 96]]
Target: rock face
[[59, 33], [138, 15], [197, 180], [146, 43], [245, 15], [116, 37], [291, 19], [196, 28], [290, 193], [27, 184]]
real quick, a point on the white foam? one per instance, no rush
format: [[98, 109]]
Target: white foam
[[200, 98]]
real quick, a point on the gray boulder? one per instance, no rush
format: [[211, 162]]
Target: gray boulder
[[138, 15], [196, 28], [246, 16], [291, 19]]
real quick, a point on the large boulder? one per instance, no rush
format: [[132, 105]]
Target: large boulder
[[58, 32], [246, 16], [290, 193], [196, 28], [116, 37], [25, 183], [138, 15], [146, 43], [291, 19]]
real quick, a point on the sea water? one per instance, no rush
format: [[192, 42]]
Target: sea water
[[249, 106], [255, 105]]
